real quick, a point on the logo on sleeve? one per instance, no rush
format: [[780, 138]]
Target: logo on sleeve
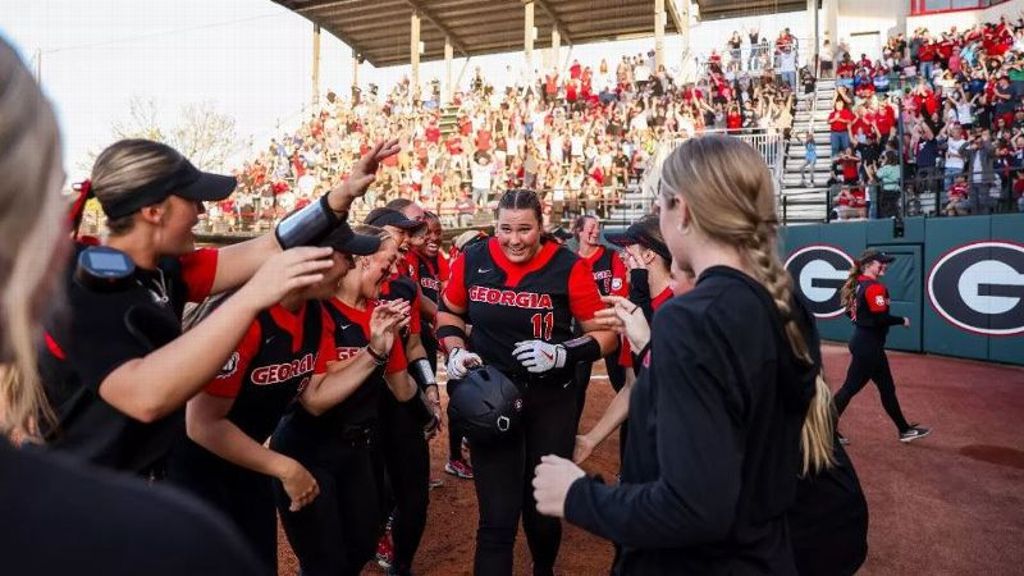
[[979, 288], [229, 367], [819, 272], [616, 283], [880, 301]]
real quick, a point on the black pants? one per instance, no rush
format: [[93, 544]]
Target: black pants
[[337, 533], [503, 472], [869, 362], [406, 456], [244, 496]]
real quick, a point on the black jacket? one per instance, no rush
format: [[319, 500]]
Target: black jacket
[[713, 452]]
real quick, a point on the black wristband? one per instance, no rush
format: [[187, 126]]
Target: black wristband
[[448, 330], [422, 374], [307, 226], [582, 349], [378, 359]]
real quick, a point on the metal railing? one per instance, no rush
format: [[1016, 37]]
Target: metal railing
[[927, 194]]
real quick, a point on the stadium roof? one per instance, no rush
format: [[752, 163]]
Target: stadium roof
[[380, 29]]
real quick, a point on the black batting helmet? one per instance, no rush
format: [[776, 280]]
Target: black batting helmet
[[486, 405]]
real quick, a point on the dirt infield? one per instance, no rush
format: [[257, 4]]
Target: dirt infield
[[952, 503]]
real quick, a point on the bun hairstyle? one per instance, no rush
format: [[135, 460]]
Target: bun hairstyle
[[31, 211], [731, 198]]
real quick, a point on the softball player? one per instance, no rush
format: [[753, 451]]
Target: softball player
[[610, 275], [521, 293], [114, 371], [867, 303], [402, 442], [362, 359], [223, 459]]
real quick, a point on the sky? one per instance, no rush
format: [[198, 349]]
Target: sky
[[250, 59]]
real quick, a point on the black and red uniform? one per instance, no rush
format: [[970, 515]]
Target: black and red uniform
[[101, 332], [270, 368], [433, 273], [401, 441], [610, 274], [871, 321], [336, 533], [506, 303]]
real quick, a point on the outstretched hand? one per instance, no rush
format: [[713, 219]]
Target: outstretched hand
[[625, 318], [364, 172]]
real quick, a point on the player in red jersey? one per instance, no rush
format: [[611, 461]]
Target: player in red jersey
[[521, 293], [336, 534], [610, 274]]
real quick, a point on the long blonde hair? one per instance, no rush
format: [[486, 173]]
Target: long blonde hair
[[729, 191], [30, 221]]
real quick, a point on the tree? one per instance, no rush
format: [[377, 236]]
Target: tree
[[202, 134]]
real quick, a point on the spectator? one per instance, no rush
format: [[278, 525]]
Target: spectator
[[958, 194], [839, 121], [979, 164]]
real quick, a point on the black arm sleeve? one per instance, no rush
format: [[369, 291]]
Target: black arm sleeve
[[640, 292], [699, 449]]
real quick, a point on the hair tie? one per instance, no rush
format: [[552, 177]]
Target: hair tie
[[78, 207]]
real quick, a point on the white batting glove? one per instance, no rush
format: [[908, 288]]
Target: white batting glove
[[460, 361], [538, 356]]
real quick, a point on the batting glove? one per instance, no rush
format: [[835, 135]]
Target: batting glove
[[460, 361], [538, 356]]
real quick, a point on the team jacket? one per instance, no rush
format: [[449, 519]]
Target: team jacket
[[738, 415], [870, 309], [506, 302], [94, 339]]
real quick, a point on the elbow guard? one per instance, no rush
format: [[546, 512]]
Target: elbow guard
[[307, 226], [422, 374]]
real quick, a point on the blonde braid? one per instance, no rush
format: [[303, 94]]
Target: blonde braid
[[816, 435]]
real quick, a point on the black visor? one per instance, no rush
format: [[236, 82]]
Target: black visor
[[186, 182]]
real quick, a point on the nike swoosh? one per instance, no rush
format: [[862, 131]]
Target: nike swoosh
[[346, 326], [484, 270], [267, 341], [549, 356]]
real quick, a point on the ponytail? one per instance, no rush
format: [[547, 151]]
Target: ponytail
[[846, 294]]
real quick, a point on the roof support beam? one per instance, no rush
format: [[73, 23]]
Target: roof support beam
[[430, 17], [681, 18], [562, 30]]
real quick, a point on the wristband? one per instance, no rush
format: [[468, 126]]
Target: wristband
[[306, 226], [378, 359], [582, 349], [448, 330], [422, 374]]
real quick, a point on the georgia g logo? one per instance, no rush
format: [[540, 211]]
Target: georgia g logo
[[979, 288], [819, 272]]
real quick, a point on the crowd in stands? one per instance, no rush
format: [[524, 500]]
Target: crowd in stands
[[580, 137], [960, 149]]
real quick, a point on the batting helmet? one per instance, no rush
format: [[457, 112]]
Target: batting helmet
[[486, 405]]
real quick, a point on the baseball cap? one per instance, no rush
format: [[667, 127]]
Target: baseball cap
[[186, 181], [388, 217], [343, 239], [876, 256], [638, 233]]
